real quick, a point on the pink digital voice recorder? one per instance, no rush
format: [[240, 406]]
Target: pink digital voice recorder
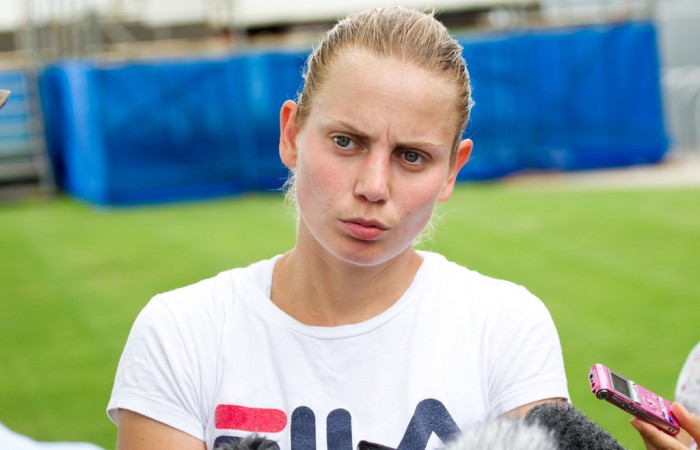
[[633, 398]]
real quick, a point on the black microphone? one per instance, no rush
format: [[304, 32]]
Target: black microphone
[[253, 442], [504, 434], [571, 428]]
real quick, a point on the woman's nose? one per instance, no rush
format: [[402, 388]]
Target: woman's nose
[[373, 178]]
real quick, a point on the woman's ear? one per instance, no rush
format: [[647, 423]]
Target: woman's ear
[[464, 149], [288, 134]]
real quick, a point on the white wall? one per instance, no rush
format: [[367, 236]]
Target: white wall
[[14, 13], [249, 12], [258, 12]]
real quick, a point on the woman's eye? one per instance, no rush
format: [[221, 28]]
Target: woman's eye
[[412, 157], [342, 141]]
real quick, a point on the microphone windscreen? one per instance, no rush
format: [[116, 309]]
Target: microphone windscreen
[[571, 428], [253, 442], [503, 434]]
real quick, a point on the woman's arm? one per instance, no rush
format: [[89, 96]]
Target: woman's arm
[[521, 411], [138, 432]]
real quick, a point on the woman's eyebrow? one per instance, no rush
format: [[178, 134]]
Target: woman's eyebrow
[[407, 144], [352, 129]]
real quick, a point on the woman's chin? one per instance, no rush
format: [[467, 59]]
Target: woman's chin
[[370, 256]]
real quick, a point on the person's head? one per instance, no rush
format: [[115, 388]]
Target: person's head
[[407, 35], [375, 139]]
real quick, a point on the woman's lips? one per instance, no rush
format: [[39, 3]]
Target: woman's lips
[[366, 230]]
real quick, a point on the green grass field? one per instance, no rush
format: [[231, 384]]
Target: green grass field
[[618, 270]]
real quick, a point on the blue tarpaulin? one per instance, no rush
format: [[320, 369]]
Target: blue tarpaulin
[[553, 99], [565, 99]]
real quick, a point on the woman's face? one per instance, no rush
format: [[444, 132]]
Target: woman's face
[[372, 158]]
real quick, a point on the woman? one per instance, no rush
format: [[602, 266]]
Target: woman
[[352, 334]]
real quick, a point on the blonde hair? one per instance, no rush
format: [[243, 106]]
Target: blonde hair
[[407, 35]]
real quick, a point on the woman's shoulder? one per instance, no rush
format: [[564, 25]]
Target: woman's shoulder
[[458, 280], [220, 292], [452, 272]]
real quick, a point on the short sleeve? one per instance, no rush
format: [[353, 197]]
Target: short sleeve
[[157, 377], [525, 362]]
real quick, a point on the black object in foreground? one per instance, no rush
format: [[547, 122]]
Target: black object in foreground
[[571, 428]]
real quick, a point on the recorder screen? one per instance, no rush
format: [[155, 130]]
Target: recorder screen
[[620, 384]]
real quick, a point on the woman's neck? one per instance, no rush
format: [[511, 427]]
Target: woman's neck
[[322, 291]]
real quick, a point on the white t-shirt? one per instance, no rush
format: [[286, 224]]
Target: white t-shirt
[[218, 360]]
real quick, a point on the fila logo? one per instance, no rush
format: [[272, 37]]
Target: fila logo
[[430, 416]]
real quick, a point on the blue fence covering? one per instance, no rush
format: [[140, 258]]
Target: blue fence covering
[[160, 131], [562, 99], [565, 99]]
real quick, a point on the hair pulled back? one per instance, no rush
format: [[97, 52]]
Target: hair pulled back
[[410, 36]]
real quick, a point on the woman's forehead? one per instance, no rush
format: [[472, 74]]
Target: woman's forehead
[[360, 71], [367, 91]]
